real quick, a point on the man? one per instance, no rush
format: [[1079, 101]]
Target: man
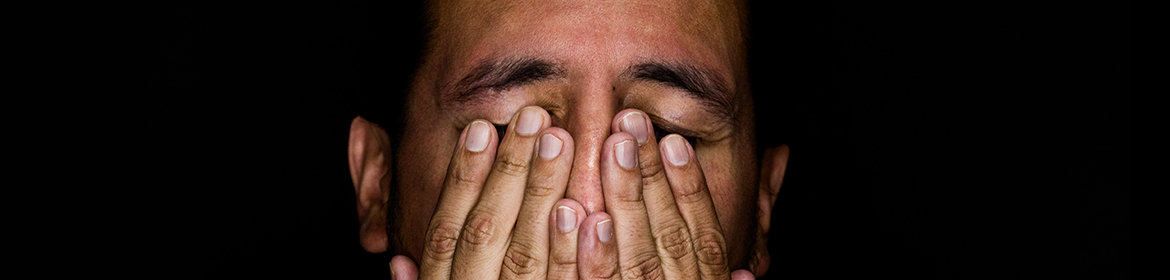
[[573, 139]]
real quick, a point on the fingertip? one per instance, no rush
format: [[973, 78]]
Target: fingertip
[[528, 120], [620, 150], [403, 268], [589, 232], [562, 134], [564, 139], [618, 137], [676, 150], [635, 122], [742, 275], [563, 244], [597, 259], [566, 219], [572, 207], [478, 136]]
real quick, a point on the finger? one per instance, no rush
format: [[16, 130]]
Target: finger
[[527, 253], [597, 253], [695, 205], [742, 275], [402, 268], [564, 222], [480, 249], [672, 238], [465, 176], [621, 184]]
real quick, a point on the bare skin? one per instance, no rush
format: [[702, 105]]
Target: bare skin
[[545, 139]]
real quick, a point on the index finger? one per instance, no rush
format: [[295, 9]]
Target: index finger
[[465, 176]]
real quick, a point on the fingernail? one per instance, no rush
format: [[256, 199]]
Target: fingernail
[[635, 123], [566, 218], [626, 153], [677, 151], [605, 230], [550, 146], [529, 122], [478, 136]]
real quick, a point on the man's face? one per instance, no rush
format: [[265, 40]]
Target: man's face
[[681, 62]]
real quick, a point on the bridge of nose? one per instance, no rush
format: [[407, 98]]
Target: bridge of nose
[[591, 111]]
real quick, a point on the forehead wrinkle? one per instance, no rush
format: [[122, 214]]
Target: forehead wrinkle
[[596, 35], [716, 22]]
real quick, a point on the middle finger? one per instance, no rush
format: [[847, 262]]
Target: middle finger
[[528, 252], [621, 183]]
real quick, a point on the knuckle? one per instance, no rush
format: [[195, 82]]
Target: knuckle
[[478, 232], [646, 267], [710, 251], [463, 178], [606, 271], [631, 205], [674, 242], [562, 273], [689, 192], [519, 260], [510, 165], [652, 171], [536, 188], [630, 196], [565, 260], [441, 241]]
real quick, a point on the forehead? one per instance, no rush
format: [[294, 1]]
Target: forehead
[[600, 35]]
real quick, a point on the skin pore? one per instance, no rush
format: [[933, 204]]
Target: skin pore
[[681, 63]]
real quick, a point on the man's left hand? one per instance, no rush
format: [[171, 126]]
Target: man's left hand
[[661, 221]]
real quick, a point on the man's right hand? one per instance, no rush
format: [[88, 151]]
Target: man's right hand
[[492, 219]]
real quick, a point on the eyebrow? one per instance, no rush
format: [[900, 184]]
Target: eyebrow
[[502, 74], [701, 83], [491, 76]]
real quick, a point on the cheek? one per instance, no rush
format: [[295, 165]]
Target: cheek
[[734, 193], [424, 155]]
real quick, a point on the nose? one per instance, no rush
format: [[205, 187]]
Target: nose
[[588, 119]]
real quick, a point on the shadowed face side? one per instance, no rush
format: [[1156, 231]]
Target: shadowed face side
[[681, 62]]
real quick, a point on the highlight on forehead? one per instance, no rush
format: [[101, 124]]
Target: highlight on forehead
[[457, 24]]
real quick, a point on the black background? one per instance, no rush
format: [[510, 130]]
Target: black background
[[929, 139]]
